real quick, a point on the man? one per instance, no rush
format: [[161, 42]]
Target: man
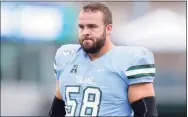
[[97, 78]]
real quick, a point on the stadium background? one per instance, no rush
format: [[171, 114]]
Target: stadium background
[[31, 32]]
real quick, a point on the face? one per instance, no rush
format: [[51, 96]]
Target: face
[[92, 31]]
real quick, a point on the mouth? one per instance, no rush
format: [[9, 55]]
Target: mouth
[[87, 39]]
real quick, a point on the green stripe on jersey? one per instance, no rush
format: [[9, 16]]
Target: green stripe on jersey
[[141, 67], [140, 71], [140, 75]]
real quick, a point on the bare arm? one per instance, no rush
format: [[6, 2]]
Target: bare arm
[[142, 99], [58, 105], [139, 91], [57, 90]]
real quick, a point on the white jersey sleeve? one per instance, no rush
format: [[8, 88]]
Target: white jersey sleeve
[[142, 68]]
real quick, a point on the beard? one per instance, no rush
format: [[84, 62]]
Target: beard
[[96, 45]]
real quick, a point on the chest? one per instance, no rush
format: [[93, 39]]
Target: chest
[[93, 78]]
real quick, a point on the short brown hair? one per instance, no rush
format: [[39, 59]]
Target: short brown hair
[[93, 7]]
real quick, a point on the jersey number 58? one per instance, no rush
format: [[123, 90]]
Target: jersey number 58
[[90, 101]]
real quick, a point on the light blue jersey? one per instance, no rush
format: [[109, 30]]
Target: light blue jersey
[[99, 87]]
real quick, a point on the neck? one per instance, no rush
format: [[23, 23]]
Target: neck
[[107, 46]]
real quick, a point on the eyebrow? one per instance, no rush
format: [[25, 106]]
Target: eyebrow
[[87, 25], [91, 25]]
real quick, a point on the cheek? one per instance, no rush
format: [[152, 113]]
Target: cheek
[[98, 35], [79, 33], [80, 36]]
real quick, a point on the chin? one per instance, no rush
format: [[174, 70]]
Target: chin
[[87, 47], [91, 50]]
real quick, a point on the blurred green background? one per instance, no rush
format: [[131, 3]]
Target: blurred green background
[[31, 32]]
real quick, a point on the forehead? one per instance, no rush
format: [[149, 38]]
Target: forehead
[[90, 17]]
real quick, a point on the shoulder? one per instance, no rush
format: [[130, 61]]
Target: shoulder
[[67, 51], [132, 52], [127, 56]]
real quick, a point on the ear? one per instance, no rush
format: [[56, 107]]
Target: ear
[[108, 29]]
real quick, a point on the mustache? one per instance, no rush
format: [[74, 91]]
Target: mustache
[[87, 38]]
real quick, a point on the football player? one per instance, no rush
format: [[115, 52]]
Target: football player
[[97, 78]]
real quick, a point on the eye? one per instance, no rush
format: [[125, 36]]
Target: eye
[[81, 26], [92, 26]]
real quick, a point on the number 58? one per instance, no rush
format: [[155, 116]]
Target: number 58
[[90, 103]]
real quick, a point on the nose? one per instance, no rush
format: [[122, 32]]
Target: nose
[[86, 32]]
